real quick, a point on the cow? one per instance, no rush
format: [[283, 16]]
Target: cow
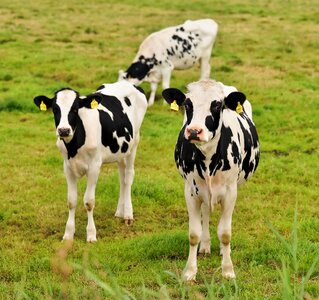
[[178, 47], [217, 150], [92, 130]]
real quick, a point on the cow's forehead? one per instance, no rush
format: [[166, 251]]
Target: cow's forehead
[[65, 98], [205, 91]]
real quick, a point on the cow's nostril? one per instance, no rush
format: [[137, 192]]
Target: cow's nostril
[[64, 132]]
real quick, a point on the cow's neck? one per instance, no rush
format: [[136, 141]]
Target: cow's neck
[[211, 147], [78, 139]]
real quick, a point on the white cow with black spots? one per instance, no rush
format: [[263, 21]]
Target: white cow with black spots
[[178, 47], [88, 138], [216, 151]]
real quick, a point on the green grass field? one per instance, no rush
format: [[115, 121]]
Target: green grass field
[[267, 49]]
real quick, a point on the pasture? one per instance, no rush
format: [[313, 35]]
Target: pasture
[[267, 49]]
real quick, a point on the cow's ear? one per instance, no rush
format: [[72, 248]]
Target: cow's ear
[[43, 102], [235, 100], [171, 95], [90, 101]]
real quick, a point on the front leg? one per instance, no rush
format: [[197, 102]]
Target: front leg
[[89, 200], [72, 197], [205, 238], [166, 78], [224, 230], [153, 93], [195, 228], [205, 65]]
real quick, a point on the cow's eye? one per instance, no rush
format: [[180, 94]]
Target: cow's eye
[[55, 110], [216, 105], [75, 110]]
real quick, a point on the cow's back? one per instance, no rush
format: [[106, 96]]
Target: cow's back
[[110, 131], [182, 45], [121, 114], [131, 100]]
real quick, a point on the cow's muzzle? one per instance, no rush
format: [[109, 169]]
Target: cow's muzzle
[[64, 132], [193, 134]]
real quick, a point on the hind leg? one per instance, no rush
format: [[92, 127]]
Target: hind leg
[[126, 170]]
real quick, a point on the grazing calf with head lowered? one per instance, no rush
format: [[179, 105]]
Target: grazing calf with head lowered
[[88, 138], [216, 151], [178, 47]]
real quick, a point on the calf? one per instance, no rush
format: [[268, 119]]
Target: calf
[[88, 138], [178, 47], [216, 151]]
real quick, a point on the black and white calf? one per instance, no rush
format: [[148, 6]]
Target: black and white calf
[[88, 138], [216, 151], [178, 47]]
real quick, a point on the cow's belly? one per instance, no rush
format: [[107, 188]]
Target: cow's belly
[[185, 62], [109, 157]]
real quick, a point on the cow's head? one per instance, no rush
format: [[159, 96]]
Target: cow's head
[[65, 106], [137, 72], [139, 69], [204, 104]]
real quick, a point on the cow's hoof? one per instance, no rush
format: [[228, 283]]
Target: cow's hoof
[[91, 240], [189, 275], [228, 271], [204, 249], [128, 222], [67, 237]]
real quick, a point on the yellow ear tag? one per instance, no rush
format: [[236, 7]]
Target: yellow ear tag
[[94, 104], [43, 107], [239, 108], [174, 106]]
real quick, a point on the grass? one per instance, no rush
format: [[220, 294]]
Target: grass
[[267, 49]]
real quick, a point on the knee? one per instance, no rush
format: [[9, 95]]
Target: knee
[[225, 238], [89, 205], [193, 239], [71, 204]]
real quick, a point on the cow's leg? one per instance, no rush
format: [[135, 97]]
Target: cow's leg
[[120, 205], [205, 65], [205, 237], [72, 197], [166, 78], [195, 229], [224, 230], [89, 200], [153, 93], [126, 169]]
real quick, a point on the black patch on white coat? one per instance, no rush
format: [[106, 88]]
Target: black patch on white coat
[[212, 120], [141, 68], [139, 89], [127, 101], [120, 125], [188, 157], [78, 139], [250, 144]]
